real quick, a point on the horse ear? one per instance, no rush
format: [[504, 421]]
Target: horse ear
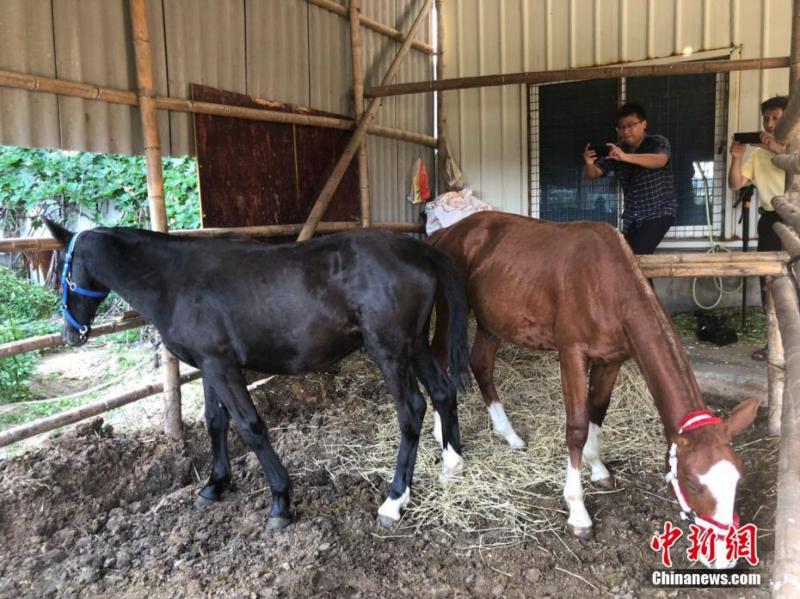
[[741, 417], [60, 233]]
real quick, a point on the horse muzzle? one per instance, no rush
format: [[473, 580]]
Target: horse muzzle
[[73, 337]]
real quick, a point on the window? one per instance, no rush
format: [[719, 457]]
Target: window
[[689, 110]]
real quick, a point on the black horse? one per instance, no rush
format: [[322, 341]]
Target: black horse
[[222, 305]]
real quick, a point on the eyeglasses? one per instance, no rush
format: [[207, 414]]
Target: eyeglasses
[[622, 128]]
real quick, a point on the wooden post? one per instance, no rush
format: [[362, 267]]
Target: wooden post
[[441, 117], [155, 189], [358, 108], [324, 198], [776, 365], [786, 573]]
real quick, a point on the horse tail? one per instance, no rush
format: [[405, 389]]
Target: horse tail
[[451, 288]]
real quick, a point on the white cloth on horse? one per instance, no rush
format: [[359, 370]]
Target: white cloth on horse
[[451, 207]]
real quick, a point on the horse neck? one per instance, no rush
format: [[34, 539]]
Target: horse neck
[[131, 267], [659, 353]]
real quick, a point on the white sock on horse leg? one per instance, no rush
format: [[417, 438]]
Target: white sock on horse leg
[[452, 463], [391, 507], [502, 425], [591, 454], [573, 495], [437, 427]]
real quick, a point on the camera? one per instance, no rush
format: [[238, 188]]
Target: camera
[[601, 150], [750, 137]]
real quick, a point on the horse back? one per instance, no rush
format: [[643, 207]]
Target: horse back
[[299, 307], [545, 285]]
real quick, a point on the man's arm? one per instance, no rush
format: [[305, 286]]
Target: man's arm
[[735, 178], [644, 160]]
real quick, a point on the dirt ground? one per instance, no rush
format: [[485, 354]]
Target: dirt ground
[[95, 512]]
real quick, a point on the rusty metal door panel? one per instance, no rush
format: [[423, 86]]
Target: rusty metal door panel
[[259, 173]]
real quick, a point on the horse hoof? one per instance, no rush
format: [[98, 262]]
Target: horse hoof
[[278, 522], [608, 483], [203, 502], [516, 443], [386, 521], [584, 533]]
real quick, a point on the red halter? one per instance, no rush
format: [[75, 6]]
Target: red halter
[[690, 422]]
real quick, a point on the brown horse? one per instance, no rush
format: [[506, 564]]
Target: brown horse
[[576, 288]]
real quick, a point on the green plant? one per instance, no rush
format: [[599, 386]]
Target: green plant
[[13, 416], [109, 189], [22, 302]]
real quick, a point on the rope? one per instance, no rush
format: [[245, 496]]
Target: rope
[[713, 249]]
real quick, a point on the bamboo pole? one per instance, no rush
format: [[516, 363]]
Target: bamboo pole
[[13, 348], [21, 244], [273, 116], [708, 258], [753, 269], [155, 190], [16, 80], [776, 365], [583, 73], [789, 213], [372, 24], [789, 239], [787, 162], [441, 117], [786, 572], [358, 109], [318, 210], [44, 425]]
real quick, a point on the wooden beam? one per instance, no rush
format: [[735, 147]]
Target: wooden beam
[[610, 72], [131, 320], [324, 198], [786, 572], [35, 83], [789, 239], [173, 425], [752, 269], [358, 109], [788, 212], [44, 425], [708, 258], [372, 24]]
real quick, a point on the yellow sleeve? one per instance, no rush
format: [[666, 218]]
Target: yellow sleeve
[[747, 165]]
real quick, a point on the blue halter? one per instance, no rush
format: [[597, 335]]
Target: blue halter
[[67, 285]]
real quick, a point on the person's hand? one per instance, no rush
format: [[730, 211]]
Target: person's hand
[[768, 141], [616, 153], [737, 149], [589, 155]]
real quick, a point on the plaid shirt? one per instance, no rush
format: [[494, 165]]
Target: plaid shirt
[[649, 192]]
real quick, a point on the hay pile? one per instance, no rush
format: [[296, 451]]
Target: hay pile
[[504, 495]]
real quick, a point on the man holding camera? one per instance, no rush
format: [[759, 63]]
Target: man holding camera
[[770, 181], [641, 162]]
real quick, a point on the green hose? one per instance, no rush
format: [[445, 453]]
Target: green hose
[[713, 249]]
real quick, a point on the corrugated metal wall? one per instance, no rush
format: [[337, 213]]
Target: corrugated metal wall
[[285, 50], [487, 127]]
